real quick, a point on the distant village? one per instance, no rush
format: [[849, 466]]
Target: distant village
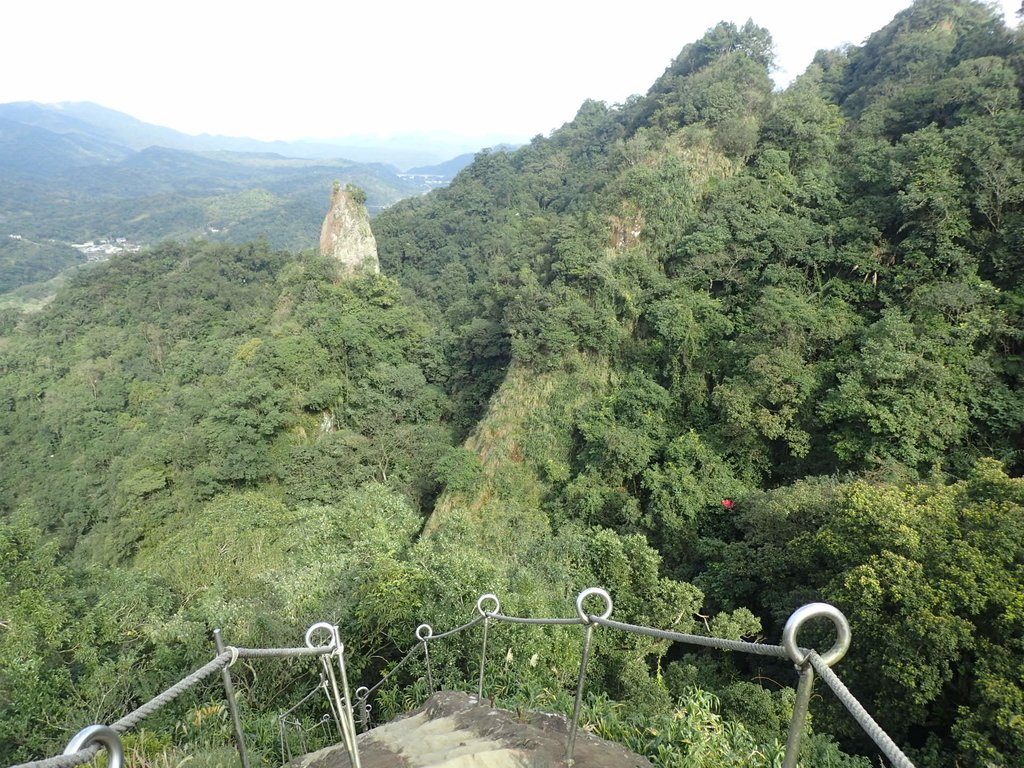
[[427, 180], [99, 250]]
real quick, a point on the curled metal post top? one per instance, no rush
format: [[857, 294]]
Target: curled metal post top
[[335, 641], [593, 592], [813, 611], [480, 604], [424, 632], [103, 735], [362, 692]]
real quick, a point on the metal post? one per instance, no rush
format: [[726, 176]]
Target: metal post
[[588, 638], [483, 661], [487, 618], [350, 731], [423, 633], [331, 686], [800, 657], [362, 693], [286, 749], [571, 746], [796, 724], [229, 690]]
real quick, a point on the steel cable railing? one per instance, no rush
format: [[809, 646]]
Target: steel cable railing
[[807, 661], [90, 740]]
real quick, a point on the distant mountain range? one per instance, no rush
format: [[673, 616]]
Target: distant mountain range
[[85, 119], [73, 173]]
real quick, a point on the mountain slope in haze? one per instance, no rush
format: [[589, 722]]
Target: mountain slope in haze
[[23, 262], [28, 150], [450, 168], [84, 119], [98, 122], [160, 194]]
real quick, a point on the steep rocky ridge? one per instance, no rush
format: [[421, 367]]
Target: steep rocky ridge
[[520, 444], [524, 443]]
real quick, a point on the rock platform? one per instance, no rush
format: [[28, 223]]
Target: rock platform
[[458, 730]]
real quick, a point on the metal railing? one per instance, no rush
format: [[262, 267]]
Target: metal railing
[[807, 661], [88, 741], [85, 745]]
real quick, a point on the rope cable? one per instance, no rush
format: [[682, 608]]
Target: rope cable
[[864, 720], [456, 631], [373, 689], [761, 649], [303, 700], [541, 622]]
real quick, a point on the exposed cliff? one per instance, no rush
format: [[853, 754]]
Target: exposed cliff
[[346, 234]]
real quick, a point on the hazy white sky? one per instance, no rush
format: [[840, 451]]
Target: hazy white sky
[[310, 69]]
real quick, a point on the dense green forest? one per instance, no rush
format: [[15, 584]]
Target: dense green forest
[[25, 263], [805, 303]]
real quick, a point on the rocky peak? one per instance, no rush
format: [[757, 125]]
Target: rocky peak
[[346, 234], [457, 730]]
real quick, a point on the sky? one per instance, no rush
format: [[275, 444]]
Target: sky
[[315, 70]]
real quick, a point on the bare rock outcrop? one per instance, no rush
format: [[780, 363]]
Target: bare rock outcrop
[[346, 234], [457, 730]]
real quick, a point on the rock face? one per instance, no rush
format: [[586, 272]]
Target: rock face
[[346, 234], [457, 730]]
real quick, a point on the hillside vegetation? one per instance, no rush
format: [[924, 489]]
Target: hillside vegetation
[[721, 350]]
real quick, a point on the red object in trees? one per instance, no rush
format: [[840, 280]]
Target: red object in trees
[[727, 503]]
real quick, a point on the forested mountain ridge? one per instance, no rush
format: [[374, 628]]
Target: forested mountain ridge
[[775, 287], [806, 304]]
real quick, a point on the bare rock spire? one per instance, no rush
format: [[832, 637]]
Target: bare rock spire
[[346, 234]]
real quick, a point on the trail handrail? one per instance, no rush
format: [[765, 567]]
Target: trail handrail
[[806, 661], [90, 740]]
